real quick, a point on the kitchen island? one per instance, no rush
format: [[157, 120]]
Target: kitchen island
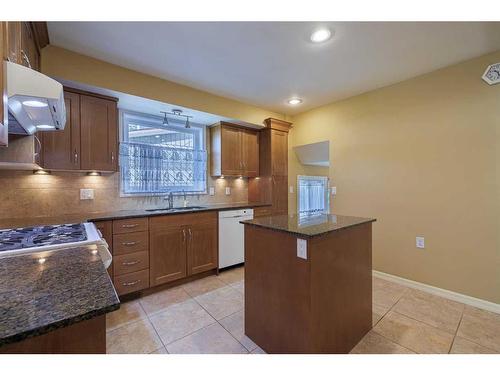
[[308, 282]]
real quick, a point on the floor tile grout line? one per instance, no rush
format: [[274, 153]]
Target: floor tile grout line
[[388, 339], [456, 330], [427, 324]]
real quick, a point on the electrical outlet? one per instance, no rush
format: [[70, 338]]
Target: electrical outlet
[[86, 194], [301, 248], [228, 190], [291, 189], [211, 190], [334, 190], [420, 242]]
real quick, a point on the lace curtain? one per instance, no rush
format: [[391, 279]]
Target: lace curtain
[[149, 169], [313, 195]]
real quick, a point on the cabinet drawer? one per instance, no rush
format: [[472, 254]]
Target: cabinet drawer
[[131, 282], [130, 225], [130, 243], [177, 220], [123, 264]]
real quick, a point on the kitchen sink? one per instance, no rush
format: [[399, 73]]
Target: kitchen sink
[[175, 209]]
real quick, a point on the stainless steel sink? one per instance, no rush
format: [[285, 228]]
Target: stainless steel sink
[[174, 209]]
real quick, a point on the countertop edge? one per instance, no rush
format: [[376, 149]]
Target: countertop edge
[[304, 235], [18, 337]]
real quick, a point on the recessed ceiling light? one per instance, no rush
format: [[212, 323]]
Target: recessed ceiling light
[[294, 101], [321, 35]]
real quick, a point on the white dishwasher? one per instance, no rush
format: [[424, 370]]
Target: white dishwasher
[[232, 236]]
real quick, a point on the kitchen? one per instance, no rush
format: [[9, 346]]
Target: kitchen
[[146, 215]]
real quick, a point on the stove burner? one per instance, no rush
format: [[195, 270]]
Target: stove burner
[[19, 238]]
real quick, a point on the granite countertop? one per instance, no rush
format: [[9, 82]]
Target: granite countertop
[[111, 215], [35, 298], [127, 214], [307, 226]]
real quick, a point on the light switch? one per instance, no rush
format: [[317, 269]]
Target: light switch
[[228, 190], [334, 190], [86, 194], [291, 189], [211, 190], [301, 248]]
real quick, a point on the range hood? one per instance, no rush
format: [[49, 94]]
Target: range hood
[[36, 102], [315, 154]]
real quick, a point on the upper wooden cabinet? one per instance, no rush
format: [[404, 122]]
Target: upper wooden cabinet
[[89, 140], [4, 50], [234, 151], [99, 133], [61, 149]]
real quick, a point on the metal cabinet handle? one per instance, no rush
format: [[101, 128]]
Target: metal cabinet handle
[[131, 263], [132, 243], [25, 58], [129, 225], [112, 156], [131, 283], [190, 234], [76, 157], [183, 235]]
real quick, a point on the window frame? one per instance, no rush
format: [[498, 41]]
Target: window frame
[[149, 120], [327, 192]]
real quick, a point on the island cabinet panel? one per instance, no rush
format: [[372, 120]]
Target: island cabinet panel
[[167, 254], [318, 303], [61, 149], [234, 151], [99, 133]]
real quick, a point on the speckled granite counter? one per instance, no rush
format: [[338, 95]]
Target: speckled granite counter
[[71, 285], [307, 226], [111, 215]]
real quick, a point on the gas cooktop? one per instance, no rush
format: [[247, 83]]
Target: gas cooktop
[[19, 238]]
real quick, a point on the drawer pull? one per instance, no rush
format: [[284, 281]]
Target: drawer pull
[[131, 283], [132, 243], [131, 263], [129, 225]]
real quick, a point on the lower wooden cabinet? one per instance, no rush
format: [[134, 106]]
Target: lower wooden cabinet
[[106, 229], [167, 254], [131, 282], [182, 245]]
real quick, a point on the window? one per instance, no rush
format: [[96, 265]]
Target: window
[[313, 195], [156, 159]]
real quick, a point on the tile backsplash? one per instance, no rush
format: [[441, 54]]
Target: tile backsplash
[[24, 194]]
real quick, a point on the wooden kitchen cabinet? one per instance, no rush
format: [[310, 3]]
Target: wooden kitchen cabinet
[[4, 50], [167, 254], [61, 149], [89, 140], [106, 229], [99, 133], [182, 245], [202, 250], [234, 151], [272, 186], [30, 54]]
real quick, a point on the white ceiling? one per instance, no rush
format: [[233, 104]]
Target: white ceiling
[[265, 63]]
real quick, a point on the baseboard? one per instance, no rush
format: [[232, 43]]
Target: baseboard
[[468, 300]]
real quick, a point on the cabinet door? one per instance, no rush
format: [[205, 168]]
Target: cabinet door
[[280, 195], [250, 153], [202, 247], [231, 164], [99, 130], [279, 153], [3, 86], [167, 254], [13, 41], [61, 149]]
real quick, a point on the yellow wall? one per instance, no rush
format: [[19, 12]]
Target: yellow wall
[[422, 157], [61, 63]]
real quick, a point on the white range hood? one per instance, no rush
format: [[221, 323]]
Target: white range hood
[[35, 101]]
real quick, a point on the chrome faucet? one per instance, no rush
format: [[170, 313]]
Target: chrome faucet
[[170, 198]]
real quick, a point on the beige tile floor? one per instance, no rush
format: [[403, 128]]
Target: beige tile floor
[[206, 316]]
